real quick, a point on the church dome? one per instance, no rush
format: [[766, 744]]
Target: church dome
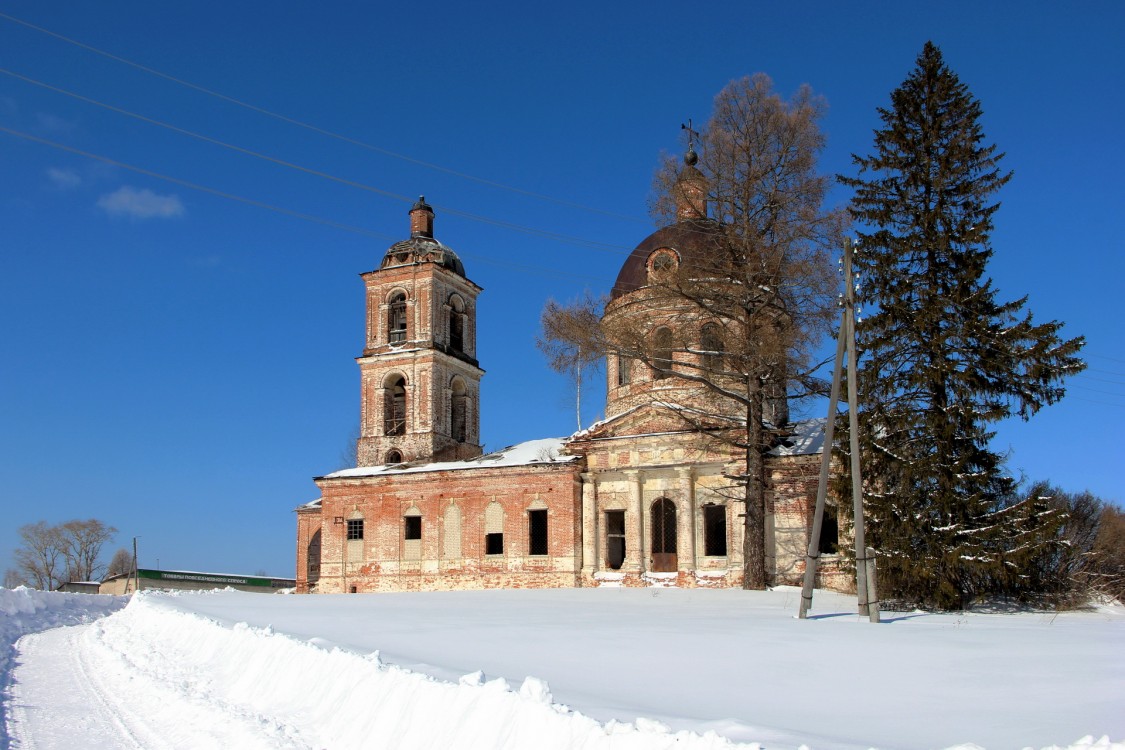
[[422, 247], [422, 250], [695, 241]]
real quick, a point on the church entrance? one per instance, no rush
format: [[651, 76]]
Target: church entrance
[[614, 539], [664, 536]]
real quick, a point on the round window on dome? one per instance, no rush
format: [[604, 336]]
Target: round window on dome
[[662, 262]]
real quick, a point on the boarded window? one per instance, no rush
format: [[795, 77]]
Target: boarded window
[[662, 354], [354, 535], [614, 539], [713, 348], [452, 546], [624, 365], [494, 529], [459, 407], [412, 535], [715, 530], [537, 532]]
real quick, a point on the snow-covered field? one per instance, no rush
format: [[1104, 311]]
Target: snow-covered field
[[587, 668]]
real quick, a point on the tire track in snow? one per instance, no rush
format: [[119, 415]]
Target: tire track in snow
[[55, 697], [73, 688]]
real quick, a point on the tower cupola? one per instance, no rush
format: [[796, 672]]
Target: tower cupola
[[691, 190], [421, 219]]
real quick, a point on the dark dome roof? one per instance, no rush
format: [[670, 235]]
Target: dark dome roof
[[420, 250], [694, 240]]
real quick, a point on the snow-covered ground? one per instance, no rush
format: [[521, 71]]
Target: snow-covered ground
[[587, 668]]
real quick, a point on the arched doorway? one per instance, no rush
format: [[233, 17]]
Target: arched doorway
[[663, 536]]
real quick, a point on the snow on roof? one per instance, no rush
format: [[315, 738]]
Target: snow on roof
[[543, 451], [807, 439]]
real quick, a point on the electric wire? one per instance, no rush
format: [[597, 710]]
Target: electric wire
[[547, 234], [550, 273], [315, 128]]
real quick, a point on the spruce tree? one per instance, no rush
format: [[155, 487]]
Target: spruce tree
[[941, 358]]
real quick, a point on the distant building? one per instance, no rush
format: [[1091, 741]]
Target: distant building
[[636, 499], [79, 587], [185, 580]]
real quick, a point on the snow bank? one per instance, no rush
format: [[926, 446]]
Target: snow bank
[[24, 610], [708, 668], [329, 697]]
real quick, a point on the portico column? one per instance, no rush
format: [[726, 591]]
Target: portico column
[[589, 525], [686, 530], [635, 546]]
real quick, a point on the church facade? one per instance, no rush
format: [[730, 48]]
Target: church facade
[[638, 499]]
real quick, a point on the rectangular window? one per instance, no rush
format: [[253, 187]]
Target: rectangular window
[[715, 530], [614, 539], [537, 532], [355, 528], [494, 544], [412, 527], [829, 532]]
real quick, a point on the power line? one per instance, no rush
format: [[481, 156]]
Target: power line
[[552, 273], [566, 239], [315, 128]]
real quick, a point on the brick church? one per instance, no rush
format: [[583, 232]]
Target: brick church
[[637, 499]]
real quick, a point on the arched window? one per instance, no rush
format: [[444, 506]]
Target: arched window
[[711, 342], [662, 354], [396, 319], [312, 561], [393, 457], [663, 536], [452, 533], [412, 534], [394, 406], [494, 529], [459, 412], [456, 324]]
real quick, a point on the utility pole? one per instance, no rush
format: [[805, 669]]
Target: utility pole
[[864, 555], [136, 575]]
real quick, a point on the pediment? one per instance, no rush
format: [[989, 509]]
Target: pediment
[[648, 419]]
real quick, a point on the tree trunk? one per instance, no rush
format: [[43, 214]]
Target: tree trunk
[[754, 534]]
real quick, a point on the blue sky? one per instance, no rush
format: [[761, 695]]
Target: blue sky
[[179, 362]]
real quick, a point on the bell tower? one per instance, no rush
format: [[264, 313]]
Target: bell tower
[[420, 379]]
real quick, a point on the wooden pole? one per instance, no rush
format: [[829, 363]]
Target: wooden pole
[[136, 575], [813, 556], [853, 429], [872, 589]]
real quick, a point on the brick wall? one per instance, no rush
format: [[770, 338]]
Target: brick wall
[[446, 557]]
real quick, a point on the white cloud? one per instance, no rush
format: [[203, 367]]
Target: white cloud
[[141, 204], [64, 178], [54, 123]]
